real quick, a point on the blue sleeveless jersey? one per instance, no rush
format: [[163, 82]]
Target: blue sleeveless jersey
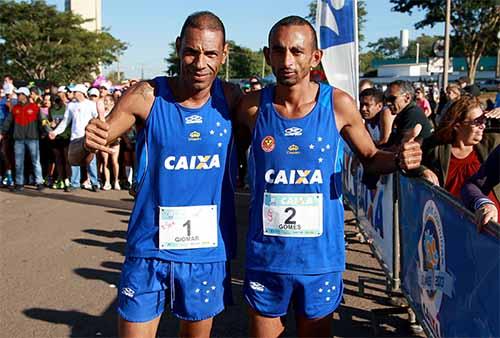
[[296, 156], [185, 158]]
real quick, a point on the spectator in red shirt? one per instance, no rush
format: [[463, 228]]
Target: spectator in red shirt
[[459, 145], [26, 120]]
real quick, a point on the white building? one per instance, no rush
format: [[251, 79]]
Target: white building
[[88, 9]]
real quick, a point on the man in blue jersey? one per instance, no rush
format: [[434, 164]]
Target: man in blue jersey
[[295, 244], [181, 232]]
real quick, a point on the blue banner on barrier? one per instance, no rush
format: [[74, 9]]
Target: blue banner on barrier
[[350, 182], [450, 272], [375, 215]]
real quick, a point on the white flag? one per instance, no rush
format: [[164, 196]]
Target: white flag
[[336, 22]]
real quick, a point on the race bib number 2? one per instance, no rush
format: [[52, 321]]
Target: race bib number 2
[[293, 215], [190, 227]]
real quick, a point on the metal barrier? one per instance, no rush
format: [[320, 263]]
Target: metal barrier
[[422, 237]]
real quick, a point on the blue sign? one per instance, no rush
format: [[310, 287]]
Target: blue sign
[[449, 271], [337, 23]]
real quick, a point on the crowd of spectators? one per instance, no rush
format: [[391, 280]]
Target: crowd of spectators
[[37, 126], [460, 137]]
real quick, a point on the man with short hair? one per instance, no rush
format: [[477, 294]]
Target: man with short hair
[[295, 243], [78, 113], [26, 119], [400, 98], [378, 119], [182, 229]]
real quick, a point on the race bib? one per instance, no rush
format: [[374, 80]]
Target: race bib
[[293, 215], [190, 227]]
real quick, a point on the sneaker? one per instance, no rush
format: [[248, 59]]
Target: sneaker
[[16, 188], [106, 186], [117, 186], [40, 187], [95, 188], [60, 184], [87, 185], [49, 182], [8, 181]]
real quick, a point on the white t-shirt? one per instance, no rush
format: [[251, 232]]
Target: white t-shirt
[[79, 114]]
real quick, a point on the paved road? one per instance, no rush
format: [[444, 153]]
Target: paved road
[[61, 255]]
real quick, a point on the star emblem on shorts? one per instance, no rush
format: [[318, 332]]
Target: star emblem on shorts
[[320, 160], [212, 132], [320, 139], [219, 144], [218, 124], [311, 146], [327, 146]]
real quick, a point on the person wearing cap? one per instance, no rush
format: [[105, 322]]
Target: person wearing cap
[[93, 94], [79, 112], [62, 93], [25, 120], [104, 90]]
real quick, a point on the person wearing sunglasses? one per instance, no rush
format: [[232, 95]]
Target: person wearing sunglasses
[[400, 100], [459, 145]]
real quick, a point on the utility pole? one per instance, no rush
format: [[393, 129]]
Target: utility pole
[[446, 63], [118, 77], [263, 66], [417, 54], [142, 71]]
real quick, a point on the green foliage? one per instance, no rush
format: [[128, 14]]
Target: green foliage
[[172, 61], [365, 60], [42, 43], [474, 23], [361, 16], [387, 47], [243, 62]]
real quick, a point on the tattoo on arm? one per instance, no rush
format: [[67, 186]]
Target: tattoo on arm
[[145, 91]]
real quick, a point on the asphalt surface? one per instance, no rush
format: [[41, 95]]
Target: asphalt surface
[[61, 256]]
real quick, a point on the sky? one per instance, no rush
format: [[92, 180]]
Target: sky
[[148, 26]]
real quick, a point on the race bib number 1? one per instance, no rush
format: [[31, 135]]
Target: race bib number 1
[[293, 215], [190, 227]]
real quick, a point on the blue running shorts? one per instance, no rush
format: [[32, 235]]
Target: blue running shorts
[[313, 296], [195, 291]]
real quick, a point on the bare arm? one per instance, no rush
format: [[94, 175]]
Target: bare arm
[[375, 161], [135, 104], [386, 121]]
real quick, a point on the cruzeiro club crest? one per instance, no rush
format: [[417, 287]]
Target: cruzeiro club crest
[[337, 23], [433, 278]]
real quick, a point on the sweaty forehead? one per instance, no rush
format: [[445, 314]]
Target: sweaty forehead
[[292, 35], [206, 39]]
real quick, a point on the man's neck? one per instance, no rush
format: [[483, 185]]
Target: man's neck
[[188, 96], [293, 97]]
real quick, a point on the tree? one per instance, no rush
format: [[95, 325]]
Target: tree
[[387, 47], [425, 46], [41, 43], [474, 24], [361, 16], [365, 61], [172, 61]]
